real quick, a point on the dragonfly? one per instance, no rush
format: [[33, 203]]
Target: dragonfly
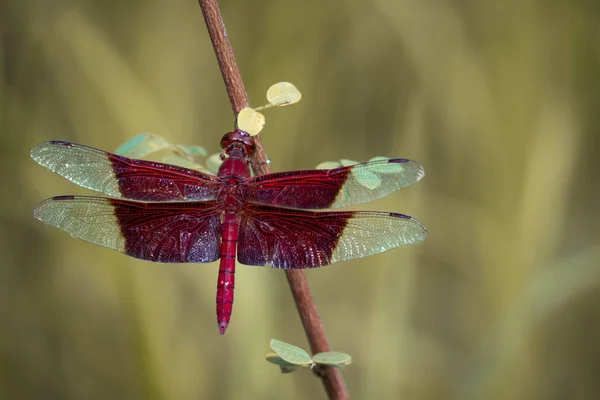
[[170, 214]]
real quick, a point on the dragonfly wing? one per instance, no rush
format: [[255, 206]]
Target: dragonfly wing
[[175, 232], [123, 177], [286, 238], [333, 188]]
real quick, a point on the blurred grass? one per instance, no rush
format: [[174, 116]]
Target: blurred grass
[[497, 100]]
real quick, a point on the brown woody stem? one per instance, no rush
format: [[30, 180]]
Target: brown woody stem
[[315, 332]]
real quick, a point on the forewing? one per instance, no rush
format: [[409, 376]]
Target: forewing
[[174, 232], [286, 238], [124, 177], [332, 188]]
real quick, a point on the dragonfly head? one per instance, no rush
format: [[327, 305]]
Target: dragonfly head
[[238, 139]]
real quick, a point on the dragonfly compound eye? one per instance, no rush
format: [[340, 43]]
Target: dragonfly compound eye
[[239, 137]]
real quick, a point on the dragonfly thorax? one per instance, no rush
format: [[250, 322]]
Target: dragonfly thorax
[[232, 195], [234, 169]]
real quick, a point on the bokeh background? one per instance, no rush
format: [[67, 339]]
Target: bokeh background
[[498, 101]]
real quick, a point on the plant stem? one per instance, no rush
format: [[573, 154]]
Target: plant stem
[[315, 332]]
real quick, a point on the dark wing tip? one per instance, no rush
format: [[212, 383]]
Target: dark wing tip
[[420, 171], [65, 197], [416, 221], [399, 160], [398, 215], [61, 143]]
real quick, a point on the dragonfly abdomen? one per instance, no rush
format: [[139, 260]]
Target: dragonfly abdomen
[[226, 280]]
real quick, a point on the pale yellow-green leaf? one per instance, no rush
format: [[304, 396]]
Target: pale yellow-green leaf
[[283, 94], [347, 163], [251, 121], [369, 180], [329, 165], [284, 366], [332, 359], [192, 151], [290, 353], [388, 168], [143, 144], [273, 358]]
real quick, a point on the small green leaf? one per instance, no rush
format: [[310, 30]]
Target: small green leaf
[[379, 158], [142, 145], [332, 359], [347, 163], [328, 165], [368, 179], [273, 358], [192, 151], [386, 168], [283, 94], [290, 353], [250, 120], [127, 147], [284, 366]]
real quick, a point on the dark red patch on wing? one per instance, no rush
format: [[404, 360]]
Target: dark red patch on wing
[[298, 189], [333, 188], [287, 238], [120, 176], [178, 232], [154, 181]]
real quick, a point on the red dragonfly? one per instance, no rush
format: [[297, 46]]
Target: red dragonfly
[[165, 213]]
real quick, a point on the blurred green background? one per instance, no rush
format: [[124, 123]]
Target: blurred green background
[[498, 101]]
